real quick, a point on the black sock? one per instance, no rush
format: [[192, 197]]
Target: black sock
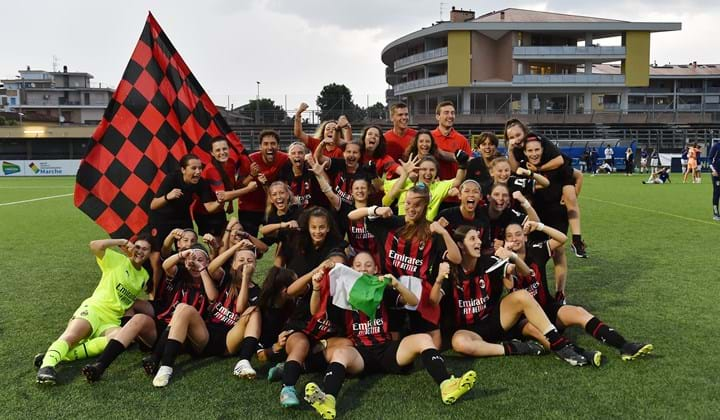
[[556, 340], [172, 349], [247, 347], [159, 348], [315, 362], [576, 238], [602, 332], [334, 378], [435, 365], [111, 352], [291, 373]]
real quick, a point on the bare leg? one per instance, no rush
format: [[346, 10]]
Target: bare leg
[[560, 261], [471, 344]]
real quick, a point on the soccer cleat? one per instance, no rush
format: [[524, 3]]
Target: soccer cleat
[[150, 365], [716, 218], [37, 360], [323, 403], [46, 375], [560, 297], [632, 351], [162, 378], [243, 369], [93, 372], [454, 388], [528, 348], [288, 397], [275, 373], [569, 355], [593, 357], [578, 248]]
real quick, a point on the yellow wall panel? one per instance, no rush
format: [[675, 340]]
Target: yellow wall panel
[[636, 66], [459, 58]]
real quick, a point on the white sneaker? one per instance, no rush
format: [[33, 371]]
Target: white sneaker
[[243, 369], [162, 378]]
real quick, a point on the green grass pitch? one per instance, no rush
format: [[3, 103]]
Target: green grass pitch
[[652, 274]]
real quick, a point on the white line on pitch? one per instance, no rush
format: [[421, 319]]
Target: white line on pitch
[[652, 211], [35, 199]]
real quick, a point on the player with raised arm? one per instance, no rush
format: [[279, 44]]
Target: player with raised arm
[[374, 349], [122, 283]]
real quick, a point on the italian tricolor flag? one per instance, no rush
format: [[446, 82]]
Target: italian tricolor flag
[[352, 290]]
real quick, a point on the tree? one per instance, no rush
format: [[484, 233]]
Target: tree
[[376, 111], [335, 100], [263, 111]]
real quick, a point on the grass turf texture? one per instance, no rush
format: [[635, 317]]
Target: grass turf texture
[[652, 274]]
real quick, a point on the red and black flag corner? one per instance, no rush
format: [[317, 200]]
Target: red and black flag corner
[[158, 113]]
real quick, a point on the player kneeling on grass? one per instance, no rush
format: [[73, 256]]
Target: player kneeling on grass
[[231, 322], [123, 280], [536, 255], [374, 351], [483, 318]]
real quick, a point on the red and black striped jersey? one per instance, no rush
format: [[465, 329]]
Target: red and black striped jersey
[[341, 180], [476, 293], [405, 257], [537, 255], [301, 185], [184, 290], [496, 228], [367, 332], [357, 233], [223, 310]]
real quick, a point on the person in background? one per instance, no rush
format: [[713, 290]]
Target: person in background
[[629, 162], [593, 160], [654, 161], [400, 135], [448, 140], [610, 156], [324, 136], [643, 160], [684, 159], [714, 163]]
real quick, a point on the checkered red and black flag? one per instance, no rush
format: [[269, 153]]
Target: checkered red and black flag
[[158, 113]]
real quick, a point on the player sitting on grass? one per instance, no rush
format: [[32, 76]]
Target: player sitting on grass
[[374, 349], [230, 322], [483, 318], [98, 318], [659, 176], [536, 255]]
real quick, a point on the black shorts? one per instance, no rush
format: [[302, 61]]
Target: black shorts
[[214, 223], [561, 176], [490, 328], [273, 321], [251, 221], [382, 358], [418, 324], [554, 216], [551, 309], [160, 231], [217, 340]]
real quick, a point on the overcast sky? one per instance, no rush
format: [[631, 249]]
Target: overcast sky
[[292, 47]]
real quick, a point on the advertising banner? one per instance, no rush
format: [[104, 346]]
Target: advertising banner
[[65, 167]]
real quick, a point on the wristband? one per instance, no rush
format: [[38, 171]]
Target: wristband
[[531, 174], [316, 290], [375, 210], [540, 227], [165, 197]]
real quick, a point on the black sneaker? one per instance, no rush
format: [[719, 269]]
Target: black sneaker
[[569, 355], [560, 297], [632, 351], [93, 372], [46, 375], [578, 248], [150, 365], [37, 360], [528, 348], [594, 357]]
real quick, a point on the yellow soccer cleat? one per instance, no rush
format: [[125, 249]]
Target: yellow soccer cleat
[[632, 351], [323, 403], [454, 388]]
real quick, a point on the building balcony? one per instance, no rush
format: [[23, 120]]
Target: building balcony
[[569, 53], [416, 60], [569, 80], [435, 81]]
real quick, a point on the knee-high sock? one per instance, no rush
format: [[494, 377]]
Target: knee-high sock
[[291, 373], [172, 349], [604, 333], [248, 346], [55, 353], [334, 378], [113, 349], [89, 348], [435, 365]]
